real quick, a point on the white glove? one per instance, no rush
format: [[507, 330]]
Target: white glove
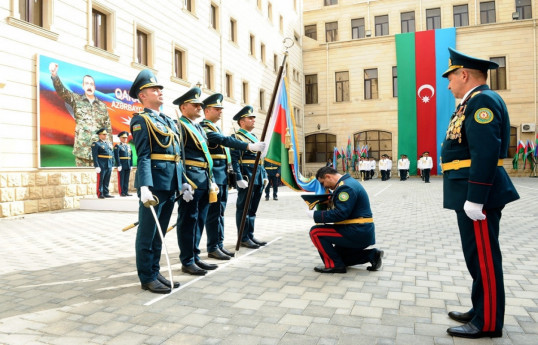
[[310, 213], [98, 170], [186, 187], [186, 190], [119, 168], [145, 194], [265, 182], [474, 210], [259, 146], [242, 184], [214, 187]]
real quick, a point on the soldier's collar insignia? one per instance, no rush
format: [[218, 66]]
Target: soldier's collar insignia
[[483, 116]]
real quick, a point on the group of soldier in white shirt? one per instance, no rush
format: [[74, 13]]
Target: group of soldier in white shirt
[[366, 167]]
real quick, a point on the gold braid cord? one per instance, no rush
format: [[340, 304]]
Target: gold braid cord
[[152, 129]]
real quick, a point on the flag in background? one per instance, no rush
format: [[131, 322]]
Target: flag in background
[[536, 147], [282, 122], [519, 151], [424, 101], [343, 154], [335, 157]]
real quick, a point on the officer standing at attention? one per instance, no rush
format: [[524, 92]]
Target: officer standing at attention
[[159, 174], [347, 227], [124, 161], [384, 167], [477, 187], [222, 162], [426, 164], [403, 167], [243, 164], [192, 210], [273, 175], [102, 161]]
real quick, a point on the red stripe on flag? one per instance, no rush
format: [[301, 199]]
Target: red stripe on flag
[[280, 123], [425, 93]]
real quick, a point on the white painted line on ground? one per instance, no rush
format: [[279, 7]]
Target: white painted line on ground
[[381, 191], [221, 266]]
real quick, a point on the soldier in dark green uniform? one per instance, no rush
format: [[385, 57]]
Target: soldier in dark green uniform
[[124, 160], [89, 112], [219, 147], [273, 175], [477, 187], [159, 173], [103, 162]]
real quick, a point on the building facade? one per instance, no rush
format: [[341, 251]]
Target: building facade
[[351, 74], [231, 47]]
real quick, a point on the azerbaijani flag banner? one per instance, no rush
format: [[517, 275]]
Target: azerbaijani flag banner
[[424, 101], [519, 151], [282, 121]]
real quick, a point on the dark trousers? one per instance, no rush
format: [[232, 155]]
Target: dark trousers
[[273, 181], [214, 225], [365, 174], [191, 218], [384, 175], [339, 247], [123, 181], [103, 179], [248, 231], [426, 175], [148, 244], [403, 174], [480, 244]]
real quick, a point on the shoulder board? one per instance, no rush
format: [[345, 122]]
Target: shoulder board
[[474, 94], [341, 183], [208, 125]]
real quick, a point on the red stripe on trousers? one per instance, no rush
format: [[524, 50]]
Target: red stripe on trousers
[[119, 183], [314, 236], [488, 274], [97, 184]]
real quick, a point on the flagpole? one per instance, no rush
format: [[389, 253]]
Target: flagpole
[[262, 138]]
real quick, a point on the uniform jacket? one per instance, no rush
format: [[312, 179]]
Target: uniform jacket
[[216, 142], [426, 163], [123, 155], [102, 148], [485, 136], [271, 169], [403, 164], [163, 175], [201, 177], [242, 169], [350, 201]]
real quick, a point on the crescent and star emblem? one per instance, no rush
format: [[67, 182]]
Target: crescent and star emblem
[[426, 98]]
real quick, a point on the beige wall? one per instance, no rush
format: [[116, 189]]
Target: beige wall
[[515, 40], [67, 37]]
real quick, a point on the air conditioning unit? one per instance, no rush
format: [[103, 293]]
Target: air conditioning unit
[[528, 127]]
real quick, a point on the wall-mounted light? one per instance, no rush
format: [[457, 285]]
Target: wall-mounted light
[[515, 15], [368, 33], [319, 126]]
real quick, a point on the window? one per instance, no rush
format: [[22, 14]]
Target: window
[[319, 147], [342, 86], [229, 86], [382, 25], [214, 20], [270, 11], [262, 53], [433, 18], [524, 8], [259, 4], [244, 95], [99, 29], [275, 62], [233, 30], [498, 76], [31, 11], [252, 49], [331, 2], [461, 15], [512, 146], [311, 31], [190, 6], [311, 88], [379, 142], [208, 76], [408, 22], [487, 12], [281, 25], [357, 28], [370, 84], [179, 63], [262, 99], [394, 81], [142, 51], [331, 31]]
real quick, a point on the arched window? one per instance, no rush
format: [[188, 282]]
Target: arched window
[[319, 147], [379, 142]]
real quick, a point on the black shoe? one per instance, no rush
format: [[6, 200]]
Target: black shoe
[[275, 198], [323, 269], [165, 281], [122, 195], [460, 317], [266, 198], [378, 262], [156, 287], [193, 269], [227, 252], [127, 194], [205, 266], [258, 242], [249, 244], [108, 196], [218, 254], [470, 331], [101, 196]]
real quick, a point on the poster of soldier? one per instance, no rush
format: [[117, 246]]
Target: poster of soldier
[[73, 103]]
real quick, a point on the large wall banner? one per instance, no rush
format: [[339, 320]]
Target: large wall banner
[[73, 103]]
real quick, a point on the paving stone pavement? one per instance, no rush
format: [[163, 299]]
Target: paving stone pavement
[[69, 278]]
